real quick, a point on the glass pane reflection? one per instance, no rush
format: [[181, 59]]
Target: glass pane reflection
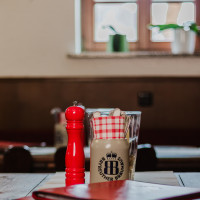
[[122, 16], [166, 13]]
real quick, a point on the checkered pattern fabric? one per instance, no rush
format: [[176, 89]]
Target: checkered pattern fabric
[[110, 127]]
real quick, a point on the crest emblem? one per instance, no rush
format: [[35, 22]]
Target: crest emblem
[[111, 167]]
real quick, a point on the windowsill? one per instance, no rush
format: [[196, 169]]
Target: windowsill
[[134, 54]]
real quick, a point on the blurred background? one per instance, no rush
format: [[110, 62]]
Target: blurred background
[[42, 66]]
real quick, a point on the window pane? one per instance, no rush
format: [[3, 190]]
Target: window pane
[[122, 16], [163, 1], [122, 1], [166, 13]]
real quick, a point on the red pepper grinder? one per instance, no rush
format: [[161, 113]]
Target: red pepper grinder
[[74, 159]]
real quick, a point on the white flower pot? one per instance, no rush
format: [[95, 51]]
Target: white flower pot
[[184, 42]]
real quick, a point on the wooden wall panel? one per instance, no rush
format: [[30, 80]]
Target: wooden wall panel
[[173, 118]]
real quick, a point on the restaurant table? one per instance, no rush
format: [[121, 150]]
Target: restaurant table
[[176, 158], [163, 153], [13, 185]]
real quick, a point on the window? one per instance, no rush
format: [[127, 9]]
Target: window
[[164, 13], [131, 17]]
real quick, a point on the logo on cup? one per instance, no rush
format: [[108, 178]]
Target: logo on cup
[[111, 167]]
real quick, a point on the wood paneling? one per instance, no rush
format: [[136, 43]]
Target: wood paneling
[[173, 118]]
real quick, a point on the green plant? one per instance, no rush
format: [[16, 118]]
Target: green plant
[[111, 28], [187, 26], [116, 42]]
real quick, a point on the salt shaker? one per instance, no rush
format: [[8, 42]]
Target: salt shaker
[[74, 159]]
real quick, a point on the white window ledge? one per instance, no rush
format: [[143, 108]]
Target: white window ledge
[[134, 54]]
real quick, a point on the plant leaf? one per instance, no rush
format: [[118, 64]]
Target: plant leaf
[[166, 26], [110, 27], [191, 26]]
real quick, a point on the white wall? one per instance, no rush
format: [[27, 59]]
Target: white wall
[[36, 35]]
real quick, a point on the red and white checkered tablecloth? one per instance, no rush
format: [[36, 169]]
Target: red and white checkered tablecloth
[[110, 127]]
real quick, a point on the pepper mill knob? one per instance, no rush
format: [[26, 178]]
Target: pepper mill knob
[[74, 113], [74, 159]]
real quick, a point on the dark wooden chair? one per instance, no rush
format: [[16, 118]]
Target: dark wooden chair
[[146, 158], [17, 159], [59, 159]]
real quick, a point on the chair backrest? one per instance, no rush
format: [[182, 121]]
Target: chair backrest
[[59, 159], [17, 159], [146, 158]]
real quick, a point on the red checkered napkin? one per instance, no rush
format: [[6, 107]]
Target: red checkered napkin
[[110, 127]]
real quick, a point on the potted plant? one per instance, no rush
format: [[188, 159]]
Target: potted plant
[[117, 42], [184, 37]]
